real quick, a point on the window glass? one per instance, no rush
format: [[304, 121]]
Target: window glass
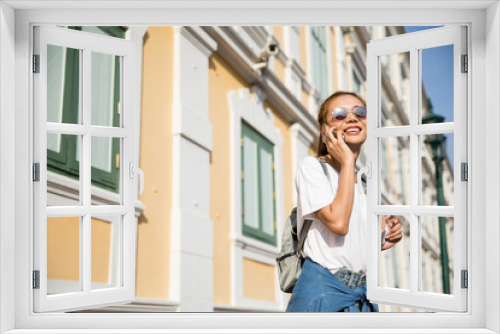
[[395, 102], [436, 238], [394, 169], [437, 170], [106, 251], [63, 85], [63, 255], [395, 261]]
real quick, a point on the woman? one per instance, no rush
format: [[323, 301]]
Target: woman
[[333, 277]]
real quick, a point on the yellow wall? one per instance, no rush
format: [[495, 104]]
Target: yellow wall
[[153, 260], [258, 280], [303, 49], [279, 33], [63, 249], [222, 80]]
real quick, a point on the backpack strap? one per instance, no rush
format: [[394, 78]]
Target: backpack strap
[[308, 222]]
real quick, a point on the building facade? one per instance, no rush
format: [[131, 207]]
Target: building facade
[[223, 124]]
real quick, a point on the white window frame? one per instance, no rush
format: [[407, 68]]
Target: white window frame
[[483, 98]]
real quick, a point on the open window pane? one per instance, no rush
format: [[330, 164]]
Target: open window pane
[[437, 170], [63, 255], [106, 254], [63, 170], [106, 79], [63, 84], [395, 72], [436, 260], [394, 169], [395, 261], [435, 187], [70, 157]]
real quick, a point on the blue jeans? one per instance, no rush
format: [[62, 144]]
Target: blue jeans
[[318, 290]]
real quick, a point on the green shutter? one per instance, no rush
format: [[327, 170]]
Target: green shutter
[[258, 186], [320, 73]]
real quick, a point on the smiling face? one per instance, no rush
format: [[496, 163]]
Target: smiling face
[[354, 128]]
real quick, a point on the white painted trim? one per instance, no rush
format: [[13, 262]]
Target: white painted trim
[[8, 171], [301, 140], [249, 108], [191, 233], [484, 54]]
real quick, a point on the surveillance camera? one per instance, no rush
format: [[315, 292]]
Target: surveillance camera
[[272, 49]]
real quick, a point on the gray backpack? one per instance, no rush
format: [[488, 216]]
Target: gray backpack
[[290, 257]]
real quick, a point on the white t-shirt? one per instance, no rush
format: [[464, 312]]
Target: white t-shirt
[[314, 191]]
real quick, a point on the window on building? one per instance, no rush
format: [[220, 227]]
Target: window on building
[[319, 66], [258, 186]]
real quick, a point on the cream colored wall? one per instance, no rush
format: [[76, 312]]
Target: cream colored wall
[[222, 80], [258, 280], [63, 249], [153, 240]]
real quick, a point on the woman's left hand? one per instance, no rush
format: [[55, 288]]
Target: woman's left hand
[[395, 234]]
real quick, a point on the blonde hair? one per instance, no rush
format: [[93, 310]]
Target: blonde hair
[[323, 109]]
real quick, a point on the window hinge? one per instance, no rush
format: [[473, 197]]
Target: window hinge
[[36, 172], [465, 64], [465, 279], [36, 63], [465, 171], [36, 279]]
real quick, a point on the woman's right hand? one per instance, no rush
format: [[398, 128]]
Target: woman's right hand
[[337, 147]]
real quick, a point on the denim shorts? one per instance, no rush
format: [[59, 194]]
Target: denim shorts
[[318, 290], [351, 279]]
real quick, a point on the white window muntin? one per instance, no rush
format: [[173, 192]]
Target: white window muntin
[[86, 43], [414, 43]]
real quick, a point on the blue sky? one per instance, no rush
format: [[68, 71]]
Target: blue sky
[[437, 75]]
